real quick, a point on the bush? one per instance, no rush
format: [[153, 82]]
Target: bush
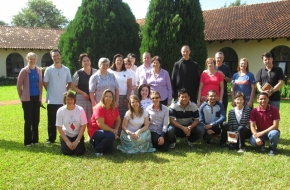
[[7, 81]]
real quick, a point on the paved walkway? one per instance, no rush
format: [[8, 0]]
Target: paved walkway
[[13, 102]]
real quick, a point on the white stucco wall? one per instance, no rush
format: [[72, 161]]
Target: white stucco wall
[[252, 50]]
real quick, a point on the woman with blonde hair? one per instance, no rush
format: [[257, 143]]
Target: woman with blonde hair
[[29, 88], [135, 137], [104, 124]]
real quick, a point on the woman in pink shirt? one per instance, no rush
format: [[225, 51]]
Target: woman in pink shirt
[[29, 87], [210, 79]]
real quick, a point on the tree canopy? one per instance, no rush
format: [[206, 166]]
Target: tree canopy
[[40, 13], [235, 3], [101, 28], [170, 24], [2, 23]]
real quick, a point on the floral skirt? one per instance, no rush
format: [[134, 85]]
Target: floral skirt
[[130, 146]]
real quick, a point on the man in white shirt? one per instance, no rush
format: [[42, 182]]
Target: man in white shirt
[[142, 69]]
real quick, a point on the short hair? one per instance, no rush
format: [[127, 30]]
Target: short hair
[[140, 89], [239, 94], [146, 53], [113, 67], [69, 94], [127, 60], [102, 102], [243, 59], [155, 92], [103, 60], [54, 50], [262, 93], [184, 47], [156, 58], [220, 52], [267, 54], [30, 54], [81, 57], [183, 91], [131, 110], [211, 91], [210, 59], [131, 55]]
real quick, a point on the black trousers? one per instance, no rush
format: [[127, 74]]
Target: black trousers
[[244, 133], [79, 150], [164, 102], [31, 111], [161, 148], [51, 119], [222, 129]]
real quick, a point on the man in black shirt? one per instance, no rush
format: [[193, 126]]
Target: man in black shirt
[[185, 75], [272, 75]]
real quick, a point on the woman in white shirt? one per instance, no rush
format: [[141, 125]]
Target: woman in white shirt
[[71, 122], [128, 66], [135, 136]]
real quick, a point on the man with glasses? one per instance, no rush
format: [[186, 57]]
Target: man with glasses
[[270, 79], [184, 120]]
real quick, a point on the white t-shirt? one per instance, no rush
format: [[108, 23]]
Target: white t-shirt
[[57, 80], [122, 78], [135, 123], [141, 71], [238, 114], [71, 120]]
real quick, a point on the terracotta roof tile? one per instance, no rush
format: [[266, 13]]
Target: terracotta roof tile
[[29, 38], [257, 21]]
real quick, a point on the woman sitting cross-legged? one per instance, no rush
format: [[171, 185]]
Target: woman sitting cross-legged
[[134, 137], [71, 122], [104, 124], [239, 121]]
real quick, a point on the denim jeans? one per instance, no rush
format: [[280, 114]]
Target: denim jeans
[[173, 132], [275, 103], [103, 141], [273, 136]]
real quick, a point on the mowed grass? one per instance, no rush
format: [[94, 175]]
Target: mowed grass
[[201, 167], [10, 93]]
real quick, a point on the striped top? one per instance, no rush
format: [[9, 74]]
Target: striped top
[[245, 119]]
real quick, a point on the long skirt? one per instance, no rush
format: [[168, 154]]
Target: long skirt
[[141, 145], [86, 105]]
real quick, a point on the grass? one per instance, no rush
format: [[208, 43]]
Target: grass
[[10, 93], [201, 167]]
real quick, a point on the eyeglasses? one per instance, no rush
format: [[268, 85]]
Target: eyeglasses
[[153, 98]]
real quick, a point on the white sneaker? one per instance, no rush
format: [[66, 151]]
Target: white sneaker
[[99, 154], [189, 143], [172, 145], [241, 150]]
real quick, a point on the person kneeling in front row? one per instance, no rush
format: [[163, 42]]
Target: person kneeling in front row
[[264, 122], [71, 122], [184, 120]]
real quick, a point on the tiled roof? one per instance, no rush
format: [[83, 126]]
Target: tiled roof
[[141, 21], [257, 21], [28, 38]]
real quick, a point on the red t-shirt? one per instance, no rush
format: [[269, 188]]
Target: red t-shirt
[[109, 116], [264, 118], [211, 83]]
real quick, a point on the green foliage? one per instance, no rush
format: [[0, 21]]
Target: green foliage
[[101, 29], [40, 13], [7, 81], [170, 24], [2, 23], [285, 91], [235, 3]]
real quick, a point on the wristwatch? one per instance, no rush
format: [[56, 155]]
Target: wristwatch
[[78, 140]]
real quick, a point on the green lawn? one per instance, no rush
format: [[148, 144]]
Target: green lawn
[[201, 167], [10, 93]]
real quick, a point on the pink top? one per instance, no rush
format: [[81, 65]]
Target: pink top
[[23, 84], [109, 115], [211, 83]]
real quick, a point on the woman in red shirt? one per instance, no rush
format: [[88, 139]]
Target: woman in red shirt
[[104, 124]]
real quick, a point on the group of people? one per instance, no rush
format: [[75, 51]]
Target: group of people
[[135, 103]]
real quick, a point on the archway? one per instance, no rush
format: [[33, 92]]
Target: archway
[[46, 60], [14, 63], [231, 58], [281, 58]]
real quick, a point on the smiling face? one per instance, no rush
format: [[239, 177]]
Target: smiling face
[[69, 101], [239, 101], [243, 65], [144, 92], [219, 58], [119, 62], [210, 64], [127, 64], [156, 64], [132, 60], [146, 59], [55, 56], [184, 99], [104, 66], [263, 101], [31, 60], [108, 99], [268, 61], [134, 103], [212, 97], [185, 52], [86, 62]]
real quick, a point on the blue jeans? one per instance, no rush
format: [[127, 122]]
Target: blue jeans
[[275, 103], [103, 141], [273, 136], [173, 132]]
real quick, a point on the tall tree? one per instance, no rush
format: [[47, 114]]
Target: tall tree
[[100, 28], [2, 23], [170, 24], [235, 3], [40, 13]]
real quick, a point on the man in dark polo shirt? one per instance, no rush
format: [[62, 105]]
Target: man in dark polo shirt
[[185, 75], [184, 120], [272, 75], [264, 123]]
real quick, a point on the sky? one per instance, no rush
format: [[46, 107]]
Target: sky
[[8, 8]]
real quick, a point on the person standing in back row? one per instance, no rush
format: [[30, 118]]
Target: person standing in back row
[[56, 81], [185, 75]]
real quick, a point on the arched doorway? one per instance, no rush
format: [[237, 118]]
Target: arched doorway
[[231, 58], [46, 60], [281, 58], [14, 63]]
